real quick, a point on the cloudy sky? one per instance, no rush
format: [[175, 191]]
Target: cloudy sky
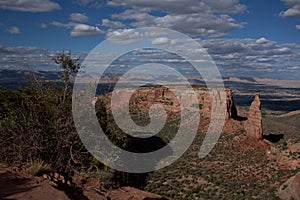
[[246, 38]]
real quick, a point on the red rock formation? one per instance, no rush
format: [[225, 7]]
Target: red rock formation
[[145, 97], [129, 193], [253, 125], [231, 108], [291, 188], [205, 98]]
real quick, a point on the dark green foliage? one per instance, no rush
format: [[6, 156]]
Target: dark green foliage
[[68, 64]]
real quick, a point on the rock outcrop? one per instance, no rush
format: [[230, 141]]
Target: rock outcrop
[[284, 157], [294, 148], [145, 97], [253, 125], [291, 188], [231, 108], [16, 183], [129, 193]]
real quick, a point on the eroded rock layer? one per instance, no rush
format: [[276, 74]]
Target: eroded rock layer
[[145, 97]]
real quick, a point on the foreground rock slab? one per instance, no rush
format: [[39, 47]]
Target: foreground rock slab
[[16, 184], [19, 186]]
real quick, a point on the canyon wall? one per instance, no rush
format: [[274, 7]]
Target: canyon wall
[[145, 97]]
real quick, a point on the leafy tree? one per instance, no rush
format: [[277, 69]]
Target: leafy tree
[[70, 66]]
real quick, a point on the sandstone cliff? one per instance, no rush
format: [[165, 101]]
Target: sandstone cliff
[[145, 97]]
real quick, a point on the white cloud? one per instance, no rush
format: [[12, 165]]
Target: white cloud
[[124, 36], [25, 58], [187, 6], [43, 25], [193, 17], [85, 30], [112, 24], [64, 25], [261, 41], [225, 6], [91, 3], [78, 17], [79, 29], [161, 41], [293, 11], [29, 5], [155, 34], [13, 30], [30, 58], [234, 56], [298, 26]]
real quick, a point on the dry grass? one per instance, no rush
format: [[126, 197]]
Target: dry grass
[[38, 168]]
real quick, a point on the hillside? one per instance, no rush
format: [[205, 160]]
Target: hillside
[[238, 167]]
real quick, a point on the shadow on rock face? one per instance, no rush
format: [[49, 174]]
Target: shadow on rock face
[[274, 138], [240, 118]]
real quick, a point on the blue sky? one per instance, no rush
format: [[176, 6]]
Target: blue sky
[[244, 37]]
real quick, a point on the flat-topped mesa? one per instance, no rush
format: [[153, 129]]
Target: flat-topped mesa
[[253, 125]]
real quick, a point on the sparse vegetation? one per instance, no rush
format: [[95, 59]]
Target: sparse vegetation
[[38, 167], [230, 171], [37, 131]]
